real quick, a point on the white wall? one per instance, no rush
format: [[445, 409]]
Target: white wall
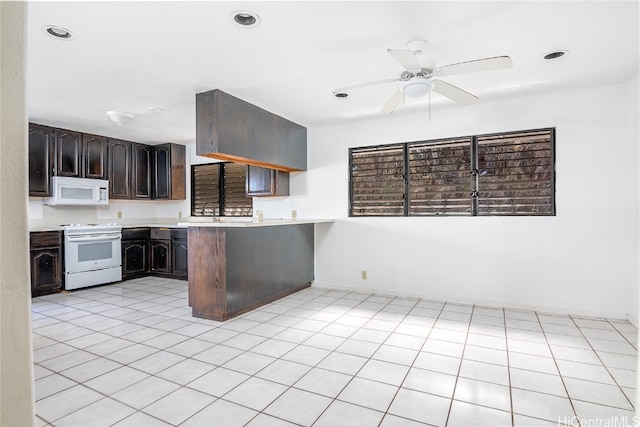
[[584, 260], [634, 190], [16, 353]]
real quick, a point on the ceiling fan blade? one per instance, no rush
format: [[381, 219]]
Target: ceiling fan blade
[[486, 64], [393, 102], [406, 58], [361, 85], [454, 93]]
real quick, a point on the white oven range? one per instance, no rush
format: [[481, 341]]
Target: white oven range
[[92, 254]]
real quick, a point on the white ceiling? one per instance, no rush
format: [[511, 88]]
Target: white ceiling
[[133, 55]]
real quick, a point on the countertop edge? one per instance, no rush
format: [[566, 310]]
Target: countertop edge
[[256, 223], [186, 224]]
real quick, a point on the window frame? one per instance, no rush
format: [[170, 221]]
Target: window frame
[[221, 208], [475, 184]]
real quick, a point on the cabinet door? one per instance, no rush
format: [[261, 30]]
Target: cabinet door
[[169, 179], [40, 160], [161, 256], [178, 172], [119, 169], [141, 172], [266, 182], [179, 258], [46, 271], [94, 156], [162, 175], [68, 150], [135, 256]]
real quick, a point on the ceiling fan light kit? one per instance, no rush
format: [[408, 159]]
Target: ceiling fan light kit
[[119, 117], [418, 87], [419, 76]]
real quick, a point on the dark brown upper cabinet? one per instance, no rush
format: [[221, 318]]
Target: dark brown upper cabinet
[[41, 159], [263, 182], [141, 170], [119, 165], [134, 170], [169, 178], [94, 156], [230, 129], [68, 151]]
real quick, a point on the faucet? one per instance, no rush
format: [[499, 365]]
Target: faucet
[[214, 218]]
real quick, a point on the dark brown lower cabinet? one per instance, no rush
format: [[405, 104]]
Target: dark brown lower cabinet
[[46, 262], [156, 251], [160, 250], [160, 256], [135, 252], [179, 253]]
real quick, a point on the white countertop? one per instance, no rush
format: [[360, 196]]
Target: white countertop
[[200, 222], [251, 222]]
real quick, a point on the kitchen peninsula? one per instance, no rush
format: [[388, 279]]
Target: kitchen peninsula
[[236, 266]]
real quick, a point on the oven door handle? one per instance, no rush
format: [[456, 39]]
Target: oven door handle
[[95, 237]]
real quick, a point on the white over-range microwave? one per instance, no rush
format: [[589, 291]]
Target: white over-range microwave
[[67, 191]]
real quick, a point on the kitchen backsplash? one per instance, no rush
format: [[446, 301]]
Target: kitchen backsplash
[[41, 215]]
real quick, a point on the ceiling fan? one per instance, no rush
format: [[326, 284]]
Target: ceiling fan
[[419, 80]]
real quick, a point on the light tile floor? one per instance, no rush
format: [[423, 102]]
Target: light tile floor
[[130, 354]]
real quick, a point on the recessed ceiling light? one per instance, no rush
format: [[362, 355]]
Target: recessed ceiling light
[[555, 54], [155, 110], [58, 32], [245, 19], [341, 95]]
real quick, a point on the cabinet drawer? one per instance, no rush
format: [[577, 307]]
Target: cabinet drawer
[[45, 239], [160, 233], [179, 233], [135, 234]]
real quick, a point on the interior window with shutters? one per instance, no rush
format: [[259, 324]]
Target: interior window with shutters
[[377, 181], [511, 173], [219, 189], [235, 202], [439, 177], [516, 174]]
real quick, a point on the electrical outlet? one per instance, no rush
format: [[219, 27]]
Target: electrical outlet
[[179, 214], [294, 214], [119, 214], [364, 274]]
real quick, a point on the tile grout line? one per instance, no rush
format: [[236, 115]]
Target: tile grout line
[[634, 345], [506, 341], [363, 365], [555, 362], [464, 348], [604, 365], [386, 412]]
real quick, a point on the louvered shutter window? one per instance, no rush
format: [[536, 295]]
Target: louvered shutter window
[[205, 190], [236, 202], [515, 174], [219, 184], [377, 181], [439, 177], [511, 173]]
